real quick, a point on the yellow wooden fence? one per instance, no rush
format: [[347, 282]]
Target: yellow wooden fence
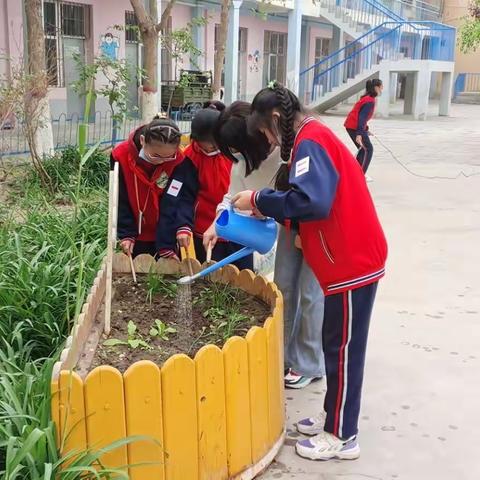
[[208, 418]]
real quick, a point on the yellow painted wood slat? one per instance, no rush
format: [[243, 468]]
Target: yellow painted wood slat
[[258, 378], [229, 273], [143, 411], [212, 426], [73, 421], [237, 395], [55, 401], [275, 387], [180, 431], [245, 281], [105, 411]]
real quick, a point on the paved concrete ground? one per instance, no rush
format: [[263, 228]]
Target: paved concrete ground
[[420, 417]]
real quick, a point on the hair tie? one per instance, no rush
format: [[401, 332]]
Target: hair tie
[[272, 84], [283, 162]]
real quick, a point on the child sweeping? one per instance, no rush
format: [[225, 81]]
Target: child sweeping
[[146, 161], [342, 240], [195, 189]]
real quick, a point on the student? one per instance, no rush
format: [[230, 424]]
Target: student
[[357, 122], [255, 164], [195, 189], [343, 242], [146, 161], [215, 105]]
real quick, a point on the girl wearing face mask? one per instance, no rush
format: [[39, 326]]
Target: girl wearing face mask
[[357, 122], [146, 160], [323, 190], [195, 188]]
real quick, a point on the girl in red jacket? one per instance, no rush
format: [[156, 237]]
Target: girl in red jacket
[[146, 161], [323, 190], [357, 122], [195, 189]]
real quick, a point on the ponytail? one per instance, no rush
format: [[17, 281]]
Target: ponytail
[[370, 87]]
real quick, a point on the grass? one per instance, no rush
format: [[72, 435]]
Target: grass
[[52, 247]]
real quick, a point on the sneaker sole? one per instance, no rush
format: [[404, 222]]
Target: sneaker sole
[[305, 430], [299, 386], [353, 454]]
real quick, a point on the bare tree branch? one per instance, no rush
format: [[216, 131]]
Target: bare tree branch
[[162, 26]]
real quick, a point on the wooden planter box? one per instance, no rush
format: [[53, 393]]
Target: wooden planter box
[[218, 416]]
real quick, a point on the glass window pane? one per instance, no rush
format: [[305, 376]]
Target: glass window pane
[[51, 61], [274, 43], [49, 19]]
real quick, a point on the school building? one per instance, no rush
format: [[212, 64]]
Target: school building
[[324, 50]]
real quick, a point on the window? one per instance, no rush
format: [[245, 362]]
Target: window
[[242, 45], [322, 47], [131, 28], [62, 19], [275, 55]]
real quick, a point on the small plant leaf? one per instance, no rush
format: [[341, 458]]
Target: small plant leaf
[[153, 332], [131, 329], [134, 343], [112, 342]]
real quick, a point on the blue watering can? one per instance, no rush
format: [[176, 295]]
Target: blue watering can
[[255, 234]]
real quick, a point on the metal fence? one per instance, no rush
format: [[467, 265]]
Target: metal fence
[[65, 132], [467, 83]]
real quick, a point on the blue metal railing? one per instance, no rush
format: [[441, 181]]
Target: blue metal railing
[[65, 132], [415, 11], [387, 41], [466, 83]]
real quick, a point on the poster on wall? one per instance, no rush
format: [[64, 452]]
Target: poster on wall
[[253, 61], [109, 46]]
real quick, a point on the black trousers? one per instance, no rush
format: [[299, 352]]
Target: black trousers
[[365, 153], [144, 247], [222, 250], [345, 332]]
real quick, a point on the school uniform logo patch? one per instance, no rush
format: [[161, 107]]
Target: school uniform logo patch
[[162, 180], [302, 166], [174, 188]]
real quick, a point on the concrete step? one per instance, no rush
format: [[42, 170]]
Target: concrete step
[[468, 98]]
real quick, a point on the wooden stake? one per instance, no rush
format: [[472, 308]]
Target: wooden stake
[[112, 238], [132, 268], [189, 261], [209, 252]]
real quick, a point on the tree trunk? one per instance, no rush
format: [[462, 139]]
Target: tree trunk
[[150, 28], [42, 134], [220, 52]]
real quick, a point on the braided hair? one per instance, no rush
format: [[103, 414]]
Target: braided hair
[[162, 130], [276, 96]]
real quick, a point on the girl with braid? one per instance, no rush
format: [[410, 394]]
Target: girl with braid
[[322, 188]]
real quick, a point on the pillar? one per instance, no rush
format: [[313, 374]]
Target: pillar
[[338, 42], [198, 33], [305, 80], [159, 61], [383, 101], [294, 46], [231, 53], [446, 93], [393, 87], [409, 91], [421, 94]]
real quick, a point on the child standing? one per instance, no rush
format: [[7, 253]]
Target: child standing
[[146, 161], [342, 241], [195, 189], [357, 122], [254, 164]]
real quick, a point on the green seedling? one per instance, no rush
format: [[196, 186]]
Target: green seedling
[[156, 284], [133, 341], [161, 330]]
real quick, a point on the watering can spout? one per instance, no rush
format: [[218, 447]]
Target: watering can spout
[[254, 234]]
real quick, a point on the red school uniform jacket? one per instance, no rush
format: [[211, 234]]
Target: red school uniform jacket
[[141, 188], [202, 181], [361, 114], [342, 239]]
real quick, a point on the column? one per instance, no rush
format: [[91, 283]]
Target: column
[[446, 94], [338, 41], [198, 33], [409, 90], [159, 61], [393, 87], [231, 53], [304, 62], [294, 46], [383, 101], [421, 95]]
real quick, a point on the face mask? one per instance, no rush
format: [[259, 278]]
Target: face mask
[[239, 156], [209, 154], [144, 156]]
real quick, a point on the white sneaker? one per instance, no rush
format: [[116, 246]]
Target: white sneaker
[[298, 381], [368, 178], [326, 446], [312, 425]]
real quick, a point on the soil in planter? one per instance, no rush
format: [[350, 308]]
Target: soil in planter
[[148, 310]]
